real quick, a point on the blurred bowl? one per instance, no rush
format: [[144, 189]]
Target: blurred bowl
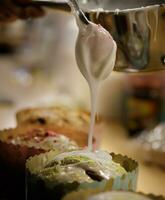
[[137, 26]]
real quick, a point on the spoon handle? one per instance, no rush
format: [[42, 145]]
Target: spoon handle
[[79, 12]]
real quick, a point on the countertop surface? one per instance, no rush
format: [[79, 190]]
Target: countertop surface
[[151, 178]]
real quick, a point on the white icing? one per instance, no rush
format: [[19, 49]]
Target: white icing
[[97, 156], [95, 55], [95, 52], [58, 142], [119, 196], [102, 165]]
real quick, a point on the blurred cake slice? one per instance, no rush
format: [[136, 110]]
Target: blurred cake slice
[[69, 119], [59, 116]]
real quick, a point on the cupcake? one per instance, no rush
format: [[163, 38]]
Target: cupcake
[[25, 141], [62, 117], [110, 195], [52, 176], [16, 145]]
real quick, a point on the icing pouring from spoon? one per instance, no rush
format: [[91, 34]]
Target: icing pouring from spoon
[[95, 55]]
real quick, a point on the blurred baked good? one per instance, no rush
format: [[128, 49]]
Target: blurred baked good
[[10, 10], [59, 116], [16, 145]]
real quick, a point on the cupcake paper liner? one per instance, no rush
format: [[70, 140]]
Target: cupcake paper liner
[[85, 194], [37, 188]]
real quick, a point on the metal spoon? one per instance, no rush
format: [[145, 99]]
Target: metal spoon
[[78, 11]]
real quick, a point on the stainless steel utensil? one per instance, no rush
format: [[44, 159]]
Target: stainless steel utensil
[[78, 12], [138, 28]]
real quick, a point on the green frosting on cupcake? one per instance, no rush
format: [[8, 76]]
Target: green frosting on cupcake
[[81, 166]]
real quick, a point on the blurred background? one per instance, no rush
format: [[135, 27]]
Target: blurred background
[[38, 68]]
